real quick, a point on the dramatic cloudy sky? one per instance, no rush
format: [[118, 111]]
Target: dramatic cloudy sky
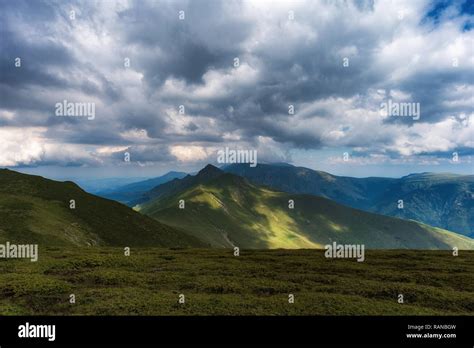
[[289, 53]]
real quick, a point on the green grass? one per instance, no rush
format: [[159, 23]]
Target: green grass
[[215, 282]]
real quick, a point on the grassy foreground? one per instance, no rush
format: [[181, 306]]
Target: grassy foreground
[[214, 282]]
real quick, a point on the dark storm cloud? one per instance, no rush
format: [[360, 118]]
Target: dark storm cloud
[[28, 32], [190, 62], [431, 89], [90, 134], [189, 47], [35, 60], [35, 56]]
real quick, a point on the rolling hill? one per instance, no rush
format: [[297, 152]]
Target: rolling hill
[[226, 210], [441, 200], [132, 192], [37, 210]]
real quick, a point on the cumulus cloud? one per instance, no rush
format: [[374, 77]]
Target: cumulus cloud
[[29, 147], [174, 89]]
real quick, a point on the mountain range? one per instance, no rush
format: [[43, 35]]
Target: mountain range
[[215, 208], [441, 200], [225, 210]]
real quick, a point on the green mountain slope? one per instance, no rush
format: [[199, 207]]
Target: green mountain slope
[[355, 192], [441, 200], [178, 185], [37, 210], [229, 211]]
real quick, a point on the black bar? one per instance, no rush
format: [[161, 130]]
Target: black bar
[[240, 330]]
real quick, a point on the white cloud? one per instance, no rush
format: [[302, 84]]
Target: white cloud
[[190, 153], [29, 147], [394, 52], [21, 146]]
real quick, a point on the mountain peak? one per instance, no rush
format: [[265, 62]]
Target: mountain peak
[[209, 171]]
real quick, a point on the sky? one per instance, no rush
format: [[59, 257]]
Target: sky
[[173, 82]]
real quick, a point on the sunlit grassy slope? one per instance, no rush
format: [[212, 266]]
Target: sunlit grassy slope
[[37, 210], [258, 282], [229, 211], [438, 199]]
